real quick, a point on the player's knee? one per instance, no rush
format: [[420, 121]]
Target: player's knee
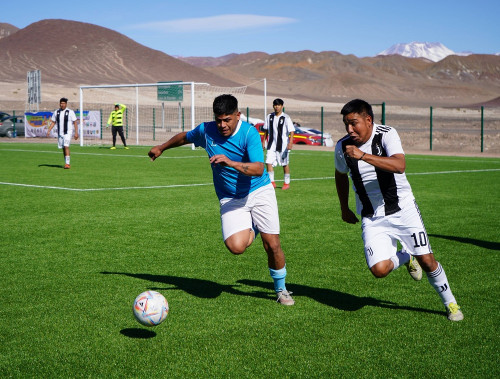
[[380, 270], [236, 248]]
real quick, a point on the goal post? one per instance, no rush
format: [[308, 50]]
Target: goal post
[[154, 111]]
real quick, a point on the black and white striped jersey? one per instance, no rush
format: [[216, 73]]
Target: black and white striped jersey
[[378, 192], [278, 129]]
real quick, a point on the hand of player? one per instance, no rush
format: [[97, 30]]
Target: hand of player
[[154, 153], [349, 216], [220, 159], [353, 152]]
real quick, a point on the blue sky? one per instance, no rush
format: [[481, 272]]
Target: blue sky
[[215, 28]]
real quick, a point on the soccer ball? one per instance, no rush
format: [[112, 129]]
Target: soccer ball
[[150, 308]]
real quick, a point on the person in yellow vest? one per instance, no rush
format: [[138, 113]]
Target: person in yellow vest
[[116, 121]]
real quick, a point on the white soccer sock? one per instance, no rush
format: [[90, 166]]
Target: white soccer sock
[[287, 178], [400, 259], [66, 159], [438, 280], [271, 175]]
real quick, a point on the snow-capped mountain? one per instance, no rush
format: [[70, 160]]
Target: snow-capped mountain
[[434, 51]]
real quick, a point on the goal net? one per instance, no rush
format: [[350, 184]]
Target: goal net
[[157, 111]]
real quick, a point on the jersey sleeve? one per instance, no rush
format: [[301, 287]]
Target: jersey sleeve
[[72, 116], [197, 135], [340, 163], [289, 125], [265, 127], [392, 143], [254, 146]]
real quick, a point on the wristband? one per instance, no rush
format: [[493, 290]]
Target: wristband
[[362, 156]]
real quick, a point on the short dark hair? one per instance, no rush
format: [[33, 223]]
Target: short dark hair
[[63, 100], [225, 104], [357, 106], [278, 102]]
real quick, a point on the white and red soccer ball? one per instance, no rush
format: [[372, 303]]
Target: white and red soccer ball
[[150, 308]]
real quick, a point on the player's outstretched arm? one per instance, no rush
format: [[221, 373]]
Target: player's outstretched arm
[[176, 141], [342, 184]]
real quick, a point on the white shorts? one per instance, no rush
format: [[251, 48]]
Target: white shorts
[[259, 207], [381, 234], [63, 140], [277, 158]]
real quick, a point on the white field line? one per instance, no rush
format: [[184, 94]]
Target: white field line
[[111, 155], [491, 161], [207, 184]]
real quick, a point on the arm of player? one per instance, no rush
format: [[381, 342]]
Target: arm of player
[[395, 163], [52, 123], [176, 141], [342, 184], [75, 124], [246, 168], [290, 141]]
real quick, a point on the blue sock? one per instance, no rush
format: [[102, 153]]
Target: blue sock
[[279, 278]]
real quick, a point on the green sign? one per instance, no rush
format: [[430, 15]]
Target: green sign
[[171, 92]]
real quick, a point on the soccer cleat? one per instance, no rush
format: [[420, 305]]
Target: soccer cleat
[[66, 166], [112, 148], [126, 147], [285, 298], [414, 268], [274, 184], [454, 312], [285, 186]]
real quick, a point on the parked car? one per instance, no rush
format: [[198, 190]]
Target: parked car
[[7, 125], [327, 137], [300, 137]]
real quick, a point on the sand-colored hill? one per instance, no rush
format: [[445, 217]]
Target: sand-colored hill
[[76, 53], [70, 54]]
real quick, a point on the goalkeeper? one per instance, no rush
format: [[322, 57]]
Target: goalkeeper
[[116, 121]]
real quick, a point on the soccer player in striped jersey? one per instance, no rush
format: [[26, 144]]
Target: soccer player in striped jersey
[[247, 199], [66, 122], [278, 140], [373, 157]]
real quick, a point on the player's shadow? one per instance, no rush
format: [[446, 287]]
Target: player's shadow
[[51, 165], [208, 289], [202, 288], [472, 241], [335, 299]]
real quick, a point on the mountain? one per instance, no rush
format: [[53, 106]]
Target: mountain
[[7, 29], [333, 77], [91, 55], [434, 51], [88, 55]]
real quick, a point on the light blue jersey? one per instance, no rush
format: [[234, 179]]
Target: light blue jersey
[[243, 146]]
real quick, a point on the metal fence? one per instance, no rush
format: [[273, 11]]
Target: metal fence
[[433, 129]]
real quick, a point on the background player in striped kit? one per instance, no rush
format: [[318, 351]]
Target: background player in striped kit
[[65, 119], [278, 140], [116, 120], [373, 156]]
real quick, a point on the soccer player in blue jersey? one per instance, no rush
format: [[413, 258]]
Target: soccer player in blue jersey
[[247, 199], [374, 158]]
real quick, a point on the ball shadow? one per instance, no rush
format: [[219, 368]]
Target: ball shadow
[[138, 333]]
